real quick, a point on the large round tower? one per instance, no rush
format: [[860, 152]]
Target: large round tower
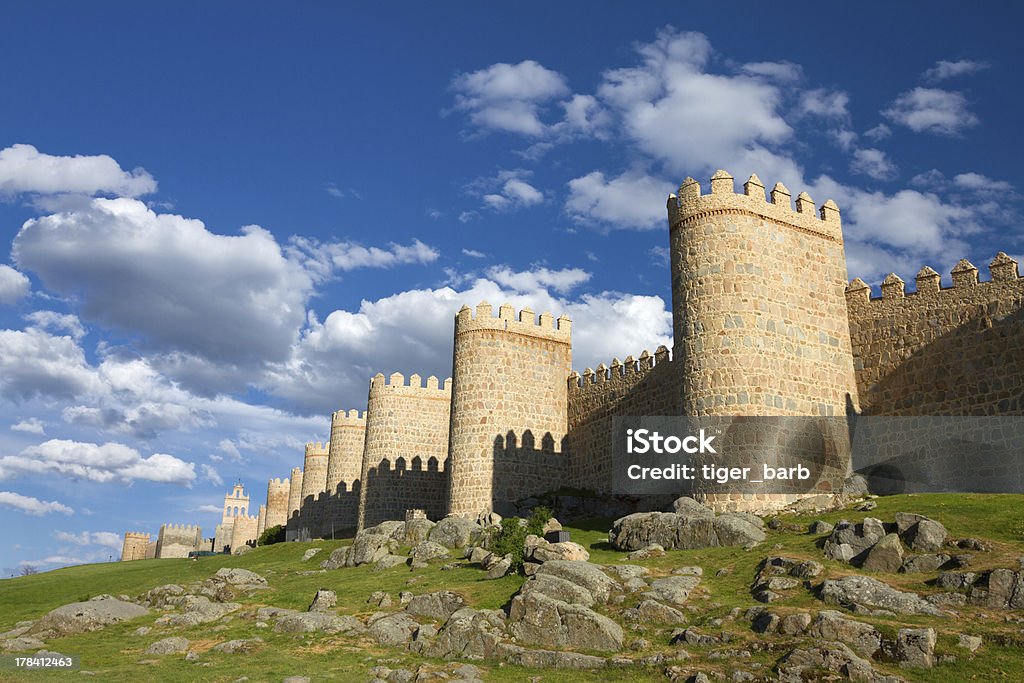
[[509, 407], [344, 468], [758, 301]]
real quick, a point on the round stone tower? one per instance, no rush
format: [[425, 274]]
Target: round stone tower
[[344, 469], [509, 406], [758, 301], [406, 448], [294, 493], [277, 502]]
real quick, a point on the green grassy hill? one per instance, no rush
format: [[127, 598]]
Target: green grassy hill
[[116, 654]]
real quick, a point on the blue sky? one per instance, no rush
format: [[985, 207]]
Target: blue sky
[[219, 221]]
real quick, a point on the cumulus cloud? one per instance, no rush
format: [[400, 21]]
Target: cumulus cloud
[[509, 97], [36, 363], [51, 321], [825, 103], [678, 112], [326, 258], [237, 298], [944, 69], [106, 539], [32, 425], [981, 183], [879, 132], [32, 506], [561, 281], [874, 163], [24, 169], [932, 110], [97, 462], [631, 200], [13, 285]]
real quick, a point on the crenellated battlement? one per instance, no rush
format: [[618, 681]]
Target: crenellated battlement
[[349, 417], [1003, 272], [691, 205], [396, 383], [316, 449], [640, 365], [278, 483], [139, 535], [183, 528], [526, 322]]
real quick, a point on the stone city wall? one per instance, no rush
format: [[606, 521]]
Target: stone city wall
[[647, 385], [178, 540], [941, 351]]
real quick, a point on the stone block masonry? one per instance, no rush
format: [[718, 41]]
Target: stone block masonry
[[277, 502], [344, 469], [134, 546], [941, 351], [405, 449], [509, 408], [178, 540]]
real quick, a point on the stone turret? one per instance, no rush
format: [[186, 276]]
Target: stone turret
[[344, 469], [314, 483], [509, 398], [134, 547], [405, 448], [294, 503], [277, 502], [759, 311]]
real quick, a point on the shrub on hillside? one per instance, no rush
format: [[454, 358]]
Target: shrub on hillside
[[272, 535], [514, 530]]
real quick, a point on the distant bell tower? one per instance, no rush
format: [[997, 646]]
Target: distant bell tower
[[236, 504]]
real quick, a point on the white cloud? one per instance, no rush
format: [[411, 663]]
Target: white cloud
[[878, 133], [32, 506], [585, 115], [825, 103], [677, 112], [944, 69], [210, 474], [981, 183], [32, 425], [932, 110], [509, 97], [13, 285], [631, 200], [35, 363], [106, 539], [235, 299], [473, 253], [51, 321], [561, 281], [324, 258], [209, 509], [874, 163], [96, 462], [515, 193], [24, 169], [783, 72], [509, 190]]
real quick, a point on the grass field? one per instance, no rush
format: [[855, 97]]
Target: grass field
[[115, 654]]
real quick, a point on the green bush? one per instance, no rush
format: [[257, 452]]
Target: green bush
[[538, 518], [514, 530], [274, 534]]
